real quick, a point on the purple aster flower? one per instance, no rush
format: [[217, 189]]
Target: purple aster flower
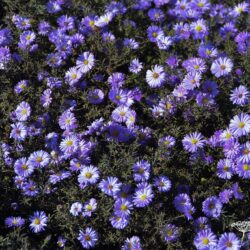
[[240, 96], [243, 42], [143, 195], [23, 111], [156, 76], [182, 30], [39, 159], [95, 96], [172, 62], [193, 142], [104, 20], [162, 183], [243, 170], [14, 221], [244, 155], [19, 131], [225, 169], [30, 188], [231, 148], [116, 80], [122, 207], [61, 242], [212, 207], [156, 15], [195, 65], [141, 171], [191, 80], [207, 51], [167, 141], [59, 176], [119, 96], [241, 8], [199, 29], [88, 238], [225, 196], [88, 175], [170, 232], [229, 241], [130, 43], [211, 88], [23, 168], [240, 124], [201, 223], [73, 75], [120, 114], [76, 208], [65, 23], [237, 192], [46, 98], [108, 37], [205, 239], [135, 66], [154, 33], [164, 42], [26, 39], [43, 28], [38, 221], [132, 243], [67, 120], [21, 86], [85, 62], [221, 66], [5, 37], [118, 222], [89, 207], [111, 186], [69, 145], [181, 201]]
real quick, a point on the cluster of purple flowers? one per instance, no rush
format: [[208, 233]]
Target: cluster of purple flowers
[[173, 82]]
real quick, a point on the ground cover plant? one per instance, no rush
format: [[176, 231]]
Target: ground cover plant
[[124, 124]]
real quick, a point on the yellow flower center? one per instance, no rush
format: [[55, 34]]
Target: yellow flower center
[[246, 167], [87, 238], [24, 112], [28, 37], [74, 76], [154, 34], [246, 151], [37, 221], [241, 125], [194, 141], [222, 66], [168, 106], [24, 167], [85, 62], [143, 197], [225, 168], [200, 4], [155, 75], [169, 233], [39, 159], [198, 28], [91, 23], [122, 113], [88, 175], [69, 143], [123, 207], [89, 207], [205, 241]]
